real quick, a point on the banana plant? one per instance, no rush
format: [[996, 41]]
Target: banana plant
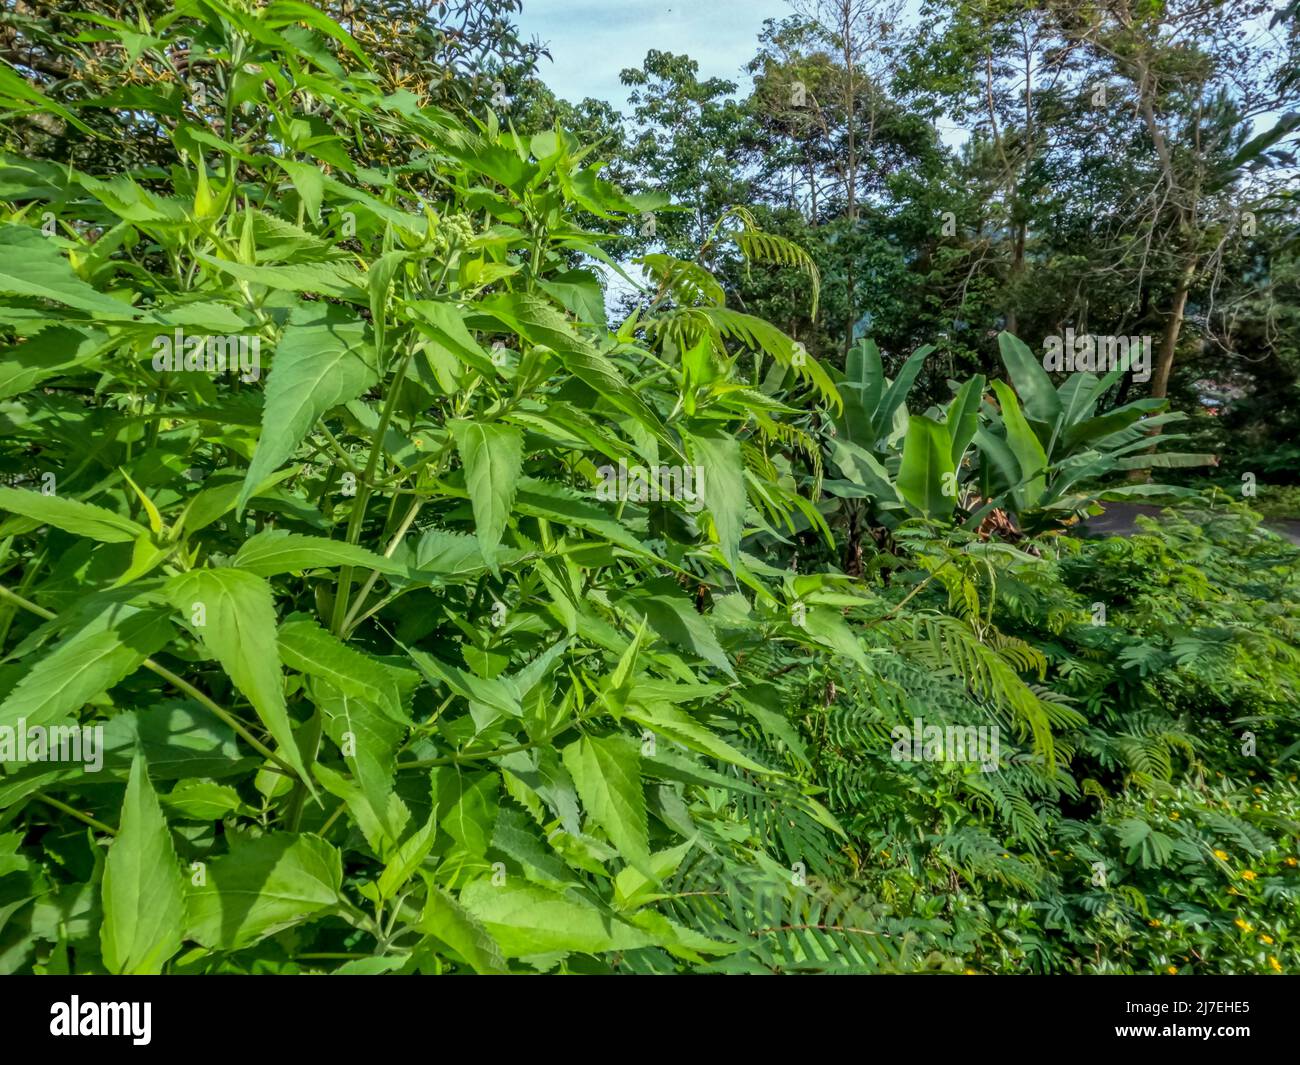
[[1044, 447], [894, 464], [1030, 447]]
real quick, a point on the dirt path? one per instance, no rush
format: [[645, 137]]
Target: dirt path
[[1120, 519]]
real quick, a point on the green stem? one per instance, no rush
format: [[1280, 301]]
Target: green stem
[[72, 812], [500, 752], [177, 682], [344, 458], [343, 589], [187, 688], [350, 621], [329, 821]]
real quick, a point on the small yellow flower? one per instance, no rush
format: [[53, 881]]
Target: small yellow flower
[[1258, 791], [1266, 940], [1154, 923], [1233, 891], [1245, 926], [1172, 970], [1291, 862], [1221, 855], [1174, 816], [1247, 874], [1274, 964], [970, 972]]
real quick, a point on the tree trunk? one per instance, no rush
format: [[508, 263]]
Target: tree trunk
[[1013, 277], [1165, 360], [1169, 337]]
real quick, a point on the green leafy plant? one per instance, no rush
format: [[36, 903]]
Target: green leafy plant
[[384, 683], [1035, 450]]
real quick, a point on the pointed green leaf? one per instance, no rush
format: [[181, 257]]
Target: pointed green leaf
[[560, 504], [493, 455], [276, 551], [725, 499], [233, 614], [407, 858], [1024, 445], [309, 182], [327, 279], [538, 322], [607, 773], [525, 919], [443, 324], [50, 353], [31, 265], [1033, 383], [963, 416], [86, 663], [674, 617], [309, 648], [896, 395], [863, 386], [449, 922], [143, 889], [71, 515], [262, 886], [1113, 421], [680, 727], [321, 361]]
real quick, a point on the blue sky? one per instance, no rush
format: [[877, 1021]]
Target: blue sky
[[592, 40]]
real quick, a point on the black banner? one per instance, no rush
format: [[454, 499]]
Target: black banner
[[354, 1013]]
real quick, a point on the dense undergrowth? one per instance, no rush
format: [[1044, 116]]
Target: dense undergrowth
[[388, 682], [1164, 840]]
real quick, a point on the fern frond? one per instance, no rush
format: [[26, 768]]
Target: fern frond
[[759, 335], [759, 246], [688, 282]]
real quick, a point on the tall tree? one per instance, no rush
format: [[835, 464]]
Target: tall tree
[[1196, 78]]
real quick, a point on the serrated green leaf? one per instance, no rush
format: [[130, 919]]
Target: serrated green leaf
[[277, 551], [71, 515], [143, 889], [50, 353], [492, 454], [449, 922], [86, 663], [725, 500], [607, 773], [263, 886], [311, 649], [237, 611], [30, 265], [321, 361], [524, 919]]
